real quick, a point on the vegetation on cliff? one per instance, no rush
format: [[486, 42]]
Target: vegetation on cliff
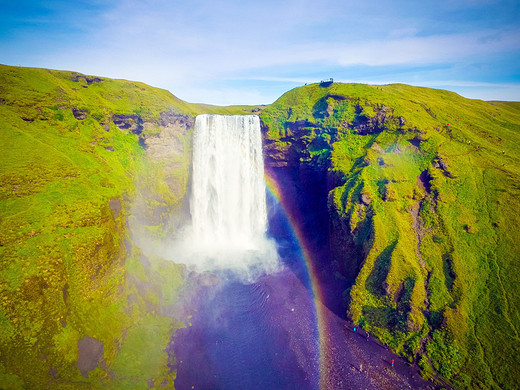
[[80, 305], [424, 219]]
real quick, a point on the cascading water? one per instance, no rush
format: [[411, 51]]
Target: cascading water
[[228, 202], [228, 205]]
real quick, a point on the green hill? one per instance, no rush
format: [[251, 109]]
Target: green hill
[[76, 295], [423, 215]]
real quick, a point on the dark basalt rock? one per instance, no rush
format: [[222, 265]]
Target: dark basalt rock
[[275, 153], [89, 80], [115, 205], [300, 126], [79, 114], [292, 149], [416, 141], [170, 118], [90, 352], [123, 121], [322, 109], [441, 164], [133, 123], [371, 125], [424, 180]]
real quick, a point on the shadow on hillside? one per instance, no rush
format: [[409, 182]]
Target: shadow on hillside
[[300, 226]]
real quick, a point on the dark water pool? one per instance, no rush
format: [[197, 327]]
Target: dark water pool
[[264, 335], [249, 336]]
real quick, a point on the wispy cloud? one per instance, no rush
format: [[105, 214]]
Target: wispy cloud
[[209, 50]]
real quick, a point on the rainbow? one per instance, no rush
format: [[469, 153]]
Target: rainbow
[[274, 189]]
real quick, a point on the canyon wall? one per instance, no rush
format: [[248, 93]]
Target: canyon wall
[[411, 185]]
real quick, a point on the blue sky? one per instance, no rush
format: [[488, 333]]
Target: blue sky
[[250, 52]]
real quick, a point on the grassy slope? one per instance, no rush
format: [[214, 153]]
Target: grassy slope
[[440, 279], [67, 266]]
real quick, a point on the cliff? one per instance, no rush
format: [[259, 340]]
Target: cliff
[[422, 196], [85, 158]]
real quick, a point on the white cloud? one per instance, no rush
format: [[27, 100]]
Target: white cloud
[[427, 50], [197, 46]]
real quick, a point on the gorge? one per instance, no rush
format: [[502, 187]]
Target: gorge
[[392, 208], [268, 329]]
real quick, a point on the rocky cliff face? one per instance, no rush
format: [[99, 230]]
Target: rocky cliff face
[[162, 203], [76, 293], [299, 155], [410, 185]]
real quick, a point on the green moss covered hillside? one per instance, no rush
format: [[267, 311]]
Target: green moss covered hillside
[[82, 158], [423, 207]]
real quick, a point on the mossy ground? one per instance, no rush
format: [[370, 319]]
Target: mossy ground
[[430, 194], [68, 267]]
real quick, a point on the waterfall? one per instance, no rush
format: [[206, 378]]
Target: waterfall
[[228, 202]]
